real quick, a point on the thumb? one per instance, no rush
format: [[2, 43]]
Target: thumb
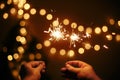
[[41, 66], [72, 69]]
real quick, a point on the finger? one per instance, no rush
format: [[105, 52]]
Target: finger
[[41, 66], [76, 63], [72, 69], [63, 69], [36, 63]]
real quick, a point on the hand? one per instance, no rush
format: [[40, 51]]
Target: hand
[[81, 69], [32, 70]]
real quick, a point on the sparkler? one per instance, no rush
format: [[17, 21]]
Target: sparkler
[[58, 32]]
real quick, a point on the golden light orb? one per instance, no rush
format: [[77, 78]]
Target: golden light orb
[[33, 11], [39, 46], [9, 2], [20, 49], [117, 37], [81, 28], [2, 6], [16, 56], [20, 12], [9, 57], [22, 23], [97, 47], [23, 31], [13, 10], [71, 53], [42, 12], [47, 43], [18, 38], [66, 22], [87, 46], [81, 50], [109, 37], [15, 2], [119, 23], [74, 25], [31, 56], [89, 30], [38, 56], [49, 16], [23, 40], [53, 50], [55, 23], [15, 73], [27, 6], [104, 28], [26, 16], [97, 30], [62, 52], [5, 15], [112, 21]]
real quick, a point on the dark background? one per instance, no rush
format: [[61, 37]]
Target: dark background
[[86, 12]]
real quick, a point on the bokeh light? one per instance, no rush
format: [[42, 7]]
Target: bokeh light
[[13, 11], [49, 16], [104, 28], [74, 25], [112, 21], [15, 73], [23, 31], [20, 49], [81, 28], [117, 37], [87, 46], [27, 6], [66, 22], [20, 12], [22, 23], [97, 47], [2, 6], [39, 46], [38, 56], [47, 43], [31, 56], [97, 30], [55, 23], [42, 12], [15, 56], [26, 16], [5, 15], [33, 11], [53, 50], [71, 53], [89, 30], [9, 2], [119, 23], [9, 57], [81, 50], [62, 52], [109, 37]]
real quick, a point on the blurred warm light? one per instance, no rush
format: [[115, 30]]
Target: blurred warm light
[[9, 2], [89, 30], [33, 11], [66, 22], [5, 49], [38, 56], [16, 56], [9, 57], [23, 31], [20, 12], [117, 37], [18, 38], [23, 40], [5, 15], [49, 16], [26, 6], [97, 47], [13, 11], [112, 21], [104, 28], [26, 16], [62, 52], [105, 46], [97, 30], [53, 50], [31, 56], [109, 37], [11, 65], [42, 12], [20, 49], [119, 23], [2, 6], [87, 46], [47, 43], [55, 23], [39, 46], [113, 33], [74, 25], [20, 5], [15, 73], [22, 23], [80, 28], [81, 50], [15, 2], [71, 53]]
